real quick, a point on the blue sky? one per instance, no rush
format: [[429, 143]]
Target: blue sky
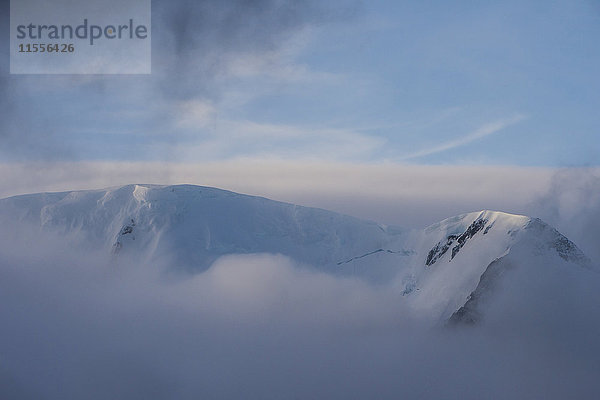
[[432, 82]]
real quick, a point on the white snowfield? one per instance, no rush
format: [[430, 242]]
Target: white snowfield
[[447, 271]]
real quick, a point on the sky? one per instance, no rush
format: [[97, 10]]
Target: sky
[[410, 83]]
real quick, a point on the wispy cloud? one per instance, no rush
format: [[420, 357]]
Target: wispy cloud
[[194, 114], [246, 138], [483, 131]]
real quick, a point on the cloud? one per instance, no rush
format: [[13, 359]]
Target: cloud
[[79, 325], [195, 114], [230, 138], [572, 204], [201, 49], [482, 132], [405, 195], [200, 42]]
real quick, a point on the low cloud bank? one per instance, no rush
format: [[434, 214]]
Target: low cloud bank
[[405, 195], [84, 325]]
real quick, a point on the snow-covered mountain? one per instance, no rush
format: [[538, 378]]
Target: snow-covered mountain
[[462, 259], [447, 271], [191, 226]]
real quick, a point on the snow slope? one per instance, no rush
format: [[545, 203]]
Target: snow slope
[[448, 271], [192, 226], [456, 258]]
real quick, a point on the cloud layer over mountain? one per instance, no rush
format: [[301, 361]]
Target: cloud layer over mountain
[[87, 325]]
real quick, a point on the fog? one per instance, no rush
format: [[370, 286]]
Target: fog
[[79, 324], [572, 205]]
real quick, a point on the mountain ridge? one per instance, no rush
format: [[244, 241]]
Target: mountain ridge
[[440, 270]]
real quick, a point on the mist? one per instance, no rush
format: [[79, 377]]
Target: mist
[[84, 324], [572, 204]]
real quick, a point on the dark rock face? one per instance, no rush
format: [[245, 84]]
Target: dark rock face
[[439, 250], [487, 229], [455, 241], [125, 230], [554, 240], [470, 313]]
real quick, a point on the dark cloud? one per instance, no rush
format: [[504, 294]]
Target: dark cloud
[[75, 117], [6, 94], [193, 39]]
